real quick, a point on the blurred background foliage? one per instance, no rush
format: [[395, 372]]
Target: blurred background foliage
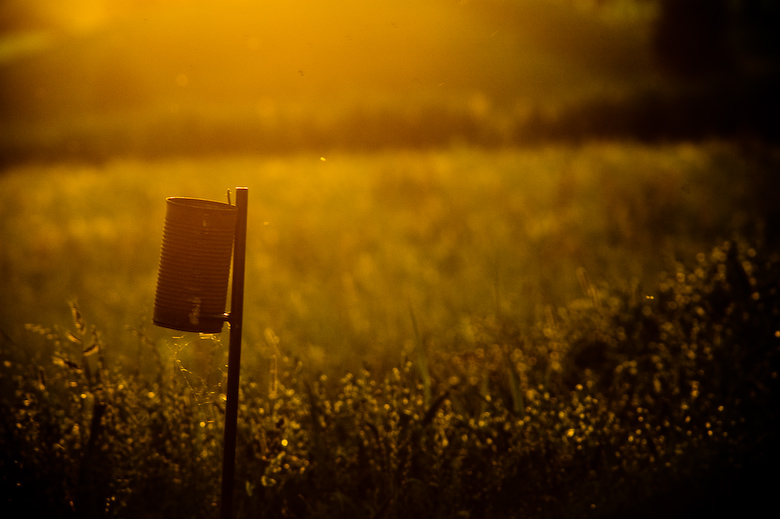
[[156, 78]]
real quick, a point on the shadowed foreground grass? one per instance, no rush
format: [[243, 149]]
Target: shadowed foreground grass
[[663, 404]]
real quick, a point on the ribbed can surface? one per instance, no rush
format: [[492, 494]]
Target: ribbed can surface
[[192, 281]]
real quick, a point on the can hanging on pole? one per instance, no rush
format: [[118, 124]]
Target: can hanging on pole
[[192, 282], [198, 240]]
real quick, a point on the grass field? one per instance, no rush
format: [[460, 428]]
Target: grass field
[[568, 331], [347, 250]]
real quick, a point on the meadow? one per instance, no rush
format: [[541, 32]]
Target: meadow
[[560, 331], [347, 250]]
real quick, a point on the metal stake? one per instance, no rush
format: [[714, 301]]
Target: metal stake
[[236, 322]]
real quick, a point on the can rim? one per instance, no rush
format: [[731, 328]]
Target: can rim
[[200, 203]]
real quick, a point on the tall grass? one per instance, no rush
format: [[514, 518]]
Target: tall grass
[[440, 333], [661, 404]]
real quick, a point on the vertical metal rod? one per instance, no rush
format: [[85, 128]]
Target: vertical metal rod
[[236, 321]]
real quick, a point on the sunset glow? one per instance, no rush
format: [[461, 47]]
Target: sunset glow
[[307, 66]]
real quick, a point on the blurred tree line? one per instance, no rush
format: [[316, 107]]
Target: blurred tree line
[[719, 63], [723, 56], [712, 39]]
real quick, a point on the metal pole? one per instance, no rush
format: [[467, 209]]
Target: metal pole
[[236, 321]]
